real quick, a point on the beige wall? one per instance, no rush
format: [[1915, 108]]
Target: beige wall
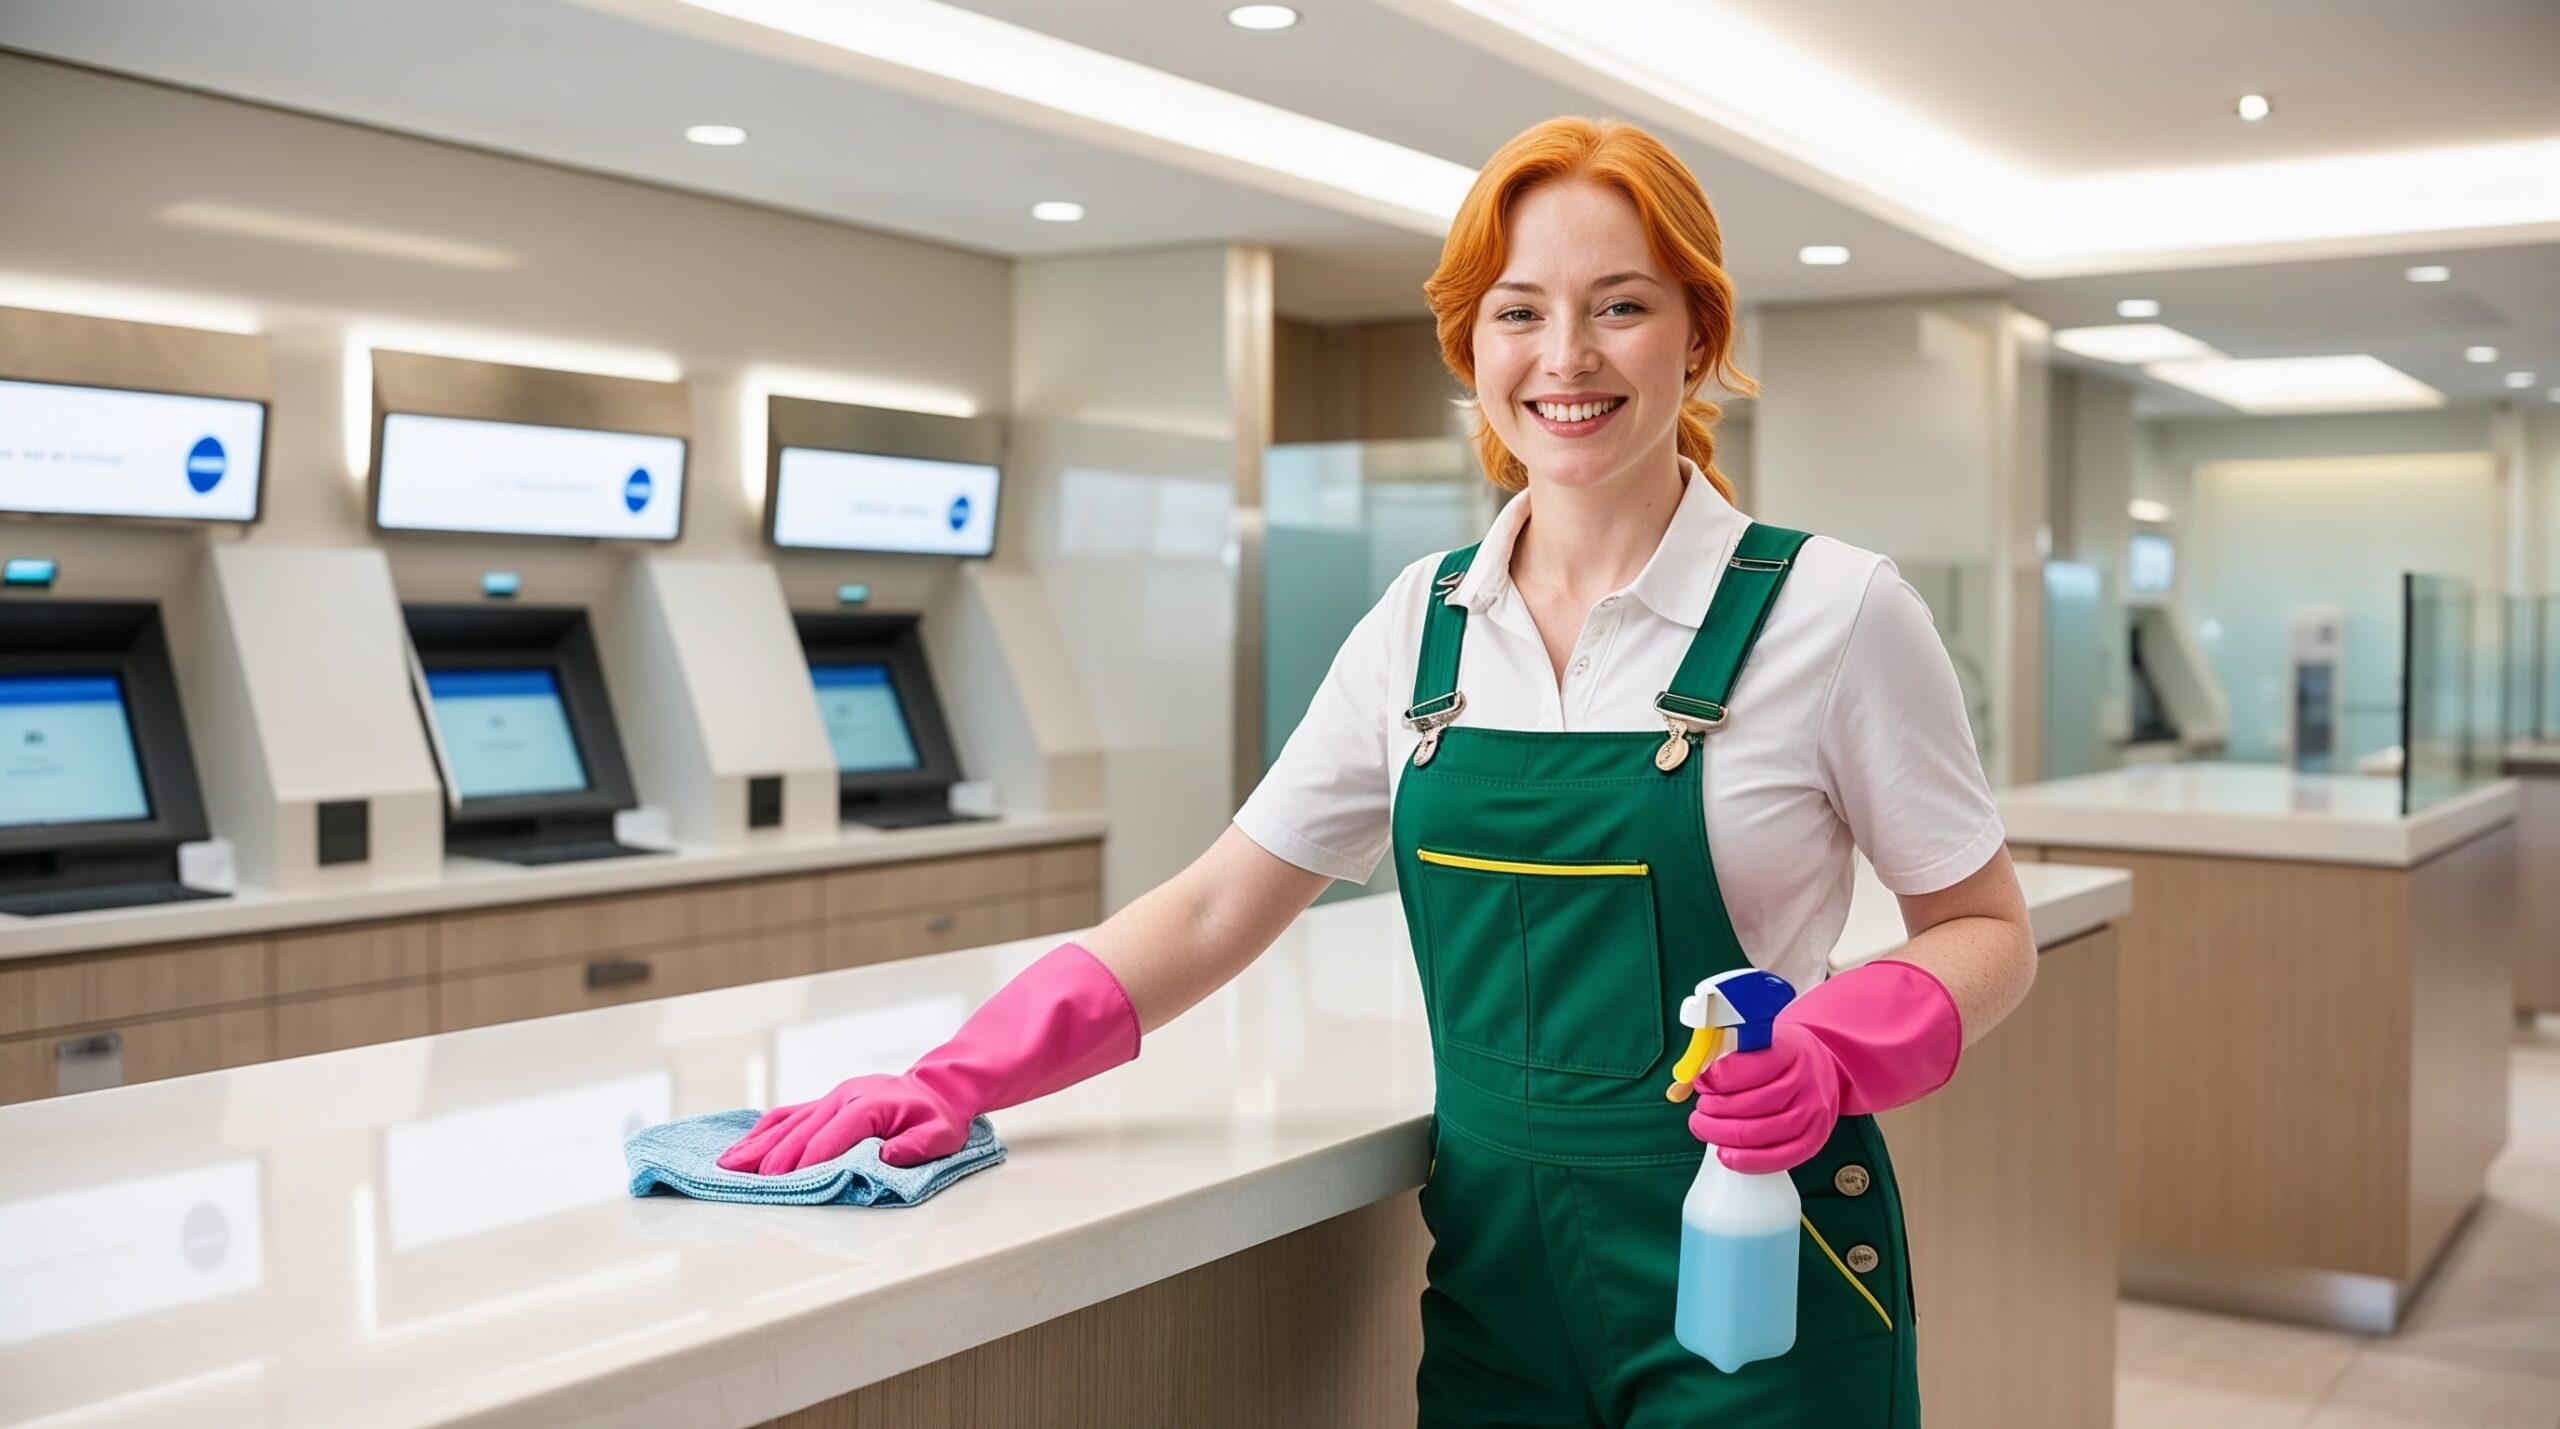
[[712, 287]]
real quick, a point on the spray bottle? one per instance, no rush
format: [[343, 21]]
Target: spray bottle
[[1738, 1232]]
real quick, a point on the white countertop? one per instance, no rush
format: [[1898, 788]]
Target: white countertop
[[2249, 811], [464, 883], [435, 1232]]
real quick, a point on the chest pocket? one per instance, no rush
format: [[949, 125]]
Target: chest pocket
[[1545, 964]]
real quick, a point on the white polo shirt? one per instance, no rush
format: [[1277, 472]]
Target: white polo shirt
[[1847, 729]]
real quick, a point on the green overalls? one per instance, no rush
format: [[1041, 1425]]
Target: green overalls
[[1561, 902]]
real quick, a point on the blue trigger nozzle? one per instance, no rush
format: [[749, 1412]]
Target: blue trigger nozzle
[[1756, 998]]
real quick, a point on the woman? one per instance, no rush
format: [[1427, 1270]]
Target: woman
[[1550, 730]]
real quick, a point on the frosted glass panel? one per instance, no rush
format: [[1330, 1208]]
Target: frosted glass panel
[[1343, 519]]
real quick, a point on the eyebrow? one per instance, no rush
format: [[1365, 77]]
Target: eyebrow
[[1611, 281]]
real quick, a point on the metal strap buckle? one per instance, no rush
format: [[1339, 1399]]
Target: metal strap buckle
[[1687, 715], [1448, 583], [1754, 563], [1435, 712]]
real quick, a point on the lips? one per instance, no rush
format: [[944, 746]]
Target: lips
[[1578, 416]]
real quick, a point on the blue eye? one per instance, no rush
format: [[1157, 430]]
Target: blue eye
[[1626, 303], [1507, 314]]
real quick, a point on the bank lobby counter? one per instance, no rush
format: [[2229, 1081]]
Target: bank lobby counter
[[2536, 769], [435, 1231], [128, 995], [2315, 1015]]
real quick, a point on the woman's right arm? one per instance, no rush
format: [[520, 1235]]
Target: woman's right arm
[[1183, 939]]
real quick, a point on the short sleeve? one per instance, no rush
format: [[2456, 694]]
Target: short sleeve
[[1897, 748], [1324, 804]]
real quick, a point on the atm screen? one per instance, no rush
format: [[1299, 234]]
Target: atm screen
[[505, 733], [865, 720], [66, 752]]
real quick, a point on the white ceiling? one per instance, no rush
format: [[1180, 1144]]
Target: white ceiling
[[2077, 85], [2061, 83]]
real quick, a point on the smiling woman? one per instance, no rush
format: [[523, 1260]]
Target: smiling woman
[[1493, 322]]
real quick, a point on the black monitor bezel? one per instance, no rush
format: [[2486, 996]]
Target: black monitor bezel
[[773, 506], [258, 498], [153, 714], [373, 486], [896, 641], [560, 640]]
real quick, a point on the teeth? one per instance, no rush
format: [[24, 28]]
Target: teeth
[[1573, 411]]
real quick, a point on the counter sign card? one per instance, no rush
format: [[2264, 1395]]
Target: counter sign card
[[856, 501], [95, 451], [517, 479]]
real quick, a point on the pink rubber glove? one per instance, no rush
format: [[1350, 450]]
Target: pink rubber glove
[[1869, 1039], [1061, 1020]]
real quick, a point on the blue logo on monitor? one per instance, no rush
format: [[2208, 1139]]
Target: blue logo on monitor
[[635, 491], [206, 464], [959, 512]]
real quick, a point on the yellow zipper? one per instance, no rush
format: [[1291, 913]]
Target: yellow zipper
[[1544, 870]]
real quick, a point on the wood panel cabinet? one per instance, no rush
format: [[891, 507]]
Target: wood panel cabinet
[[141, 1014]]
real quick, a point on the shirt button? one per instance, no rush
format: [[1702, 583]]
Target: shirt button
[[1607, 601], [1582, 665]]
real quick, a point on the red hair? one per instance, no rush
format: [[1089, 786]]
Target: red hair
[[1679, 226]]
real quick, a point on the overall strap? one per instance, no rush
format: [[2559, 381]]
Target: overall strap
[[1444, 630], [1761, 560]]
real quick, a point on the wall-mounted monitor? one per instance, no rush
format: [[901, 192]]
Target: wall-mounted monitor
[[467, 476], [860, 501], [100, 451], [2151, 566]]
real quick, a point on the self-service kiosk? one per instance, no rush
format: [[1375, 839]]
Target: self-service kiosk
[[515, 699], [868, 482], [98, 787]]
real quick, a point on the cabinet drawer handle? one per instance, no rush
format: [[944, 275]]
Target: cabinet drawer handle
[[616, 972], [940, 923], [101, 1044]]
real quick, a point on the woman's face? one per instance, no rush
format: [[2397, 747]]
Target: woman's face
[[1583, 346]]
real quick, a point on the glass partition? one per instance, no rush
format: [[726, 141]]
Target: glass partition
[[1342, 518], [2452, 695]]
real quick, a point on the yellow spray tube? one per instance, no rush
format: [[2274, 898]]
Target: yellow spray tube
[[1704, 1042]]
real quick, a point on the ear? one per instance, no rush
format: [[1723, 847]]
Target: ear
[[1697, 357]]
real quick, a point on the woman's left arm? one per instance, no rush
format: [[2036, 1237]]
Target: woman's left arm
[[1974, 938]]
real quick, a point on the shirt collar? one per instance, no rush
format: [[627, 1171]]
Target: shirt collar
[[1677, 583]]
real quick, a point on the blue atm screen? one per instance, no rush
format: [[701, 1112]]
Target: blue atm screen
[[505, 733], [865, 722], [66, 752]]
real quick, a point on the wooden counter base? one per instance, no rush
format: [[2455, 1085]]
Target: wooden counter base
[[2313, 1063]]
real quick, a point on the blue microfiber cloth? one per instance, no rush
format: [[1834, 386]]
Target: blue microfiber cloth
[[683, 1157]]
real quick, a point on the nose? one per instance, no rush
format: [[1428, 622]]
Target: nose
[[1570, 350]]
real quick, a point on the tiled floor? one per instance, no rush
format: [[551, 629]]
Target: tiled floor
[[2480, 1351]]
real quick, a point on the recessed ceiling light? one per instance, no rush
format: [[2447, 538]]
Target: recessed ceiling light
[[2479, 354], [1057, 210], [2143, 509], [2430, 273], [2519, 379], [2132, 343], [2138, 308], [2355, 382], [1262, 17], [719, 136], [1823, 255], [2254, 107]]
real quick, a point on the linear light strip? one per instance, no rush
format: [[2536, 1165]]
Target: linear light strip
[[1025, 66]]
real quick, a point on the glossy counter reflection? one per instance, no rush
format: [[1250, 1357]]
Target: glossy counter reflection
[[426, 1231]]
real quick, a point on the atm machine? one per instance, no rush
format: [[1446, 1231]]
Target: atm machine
[[861, 480], [98, 788], [515, 699]]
